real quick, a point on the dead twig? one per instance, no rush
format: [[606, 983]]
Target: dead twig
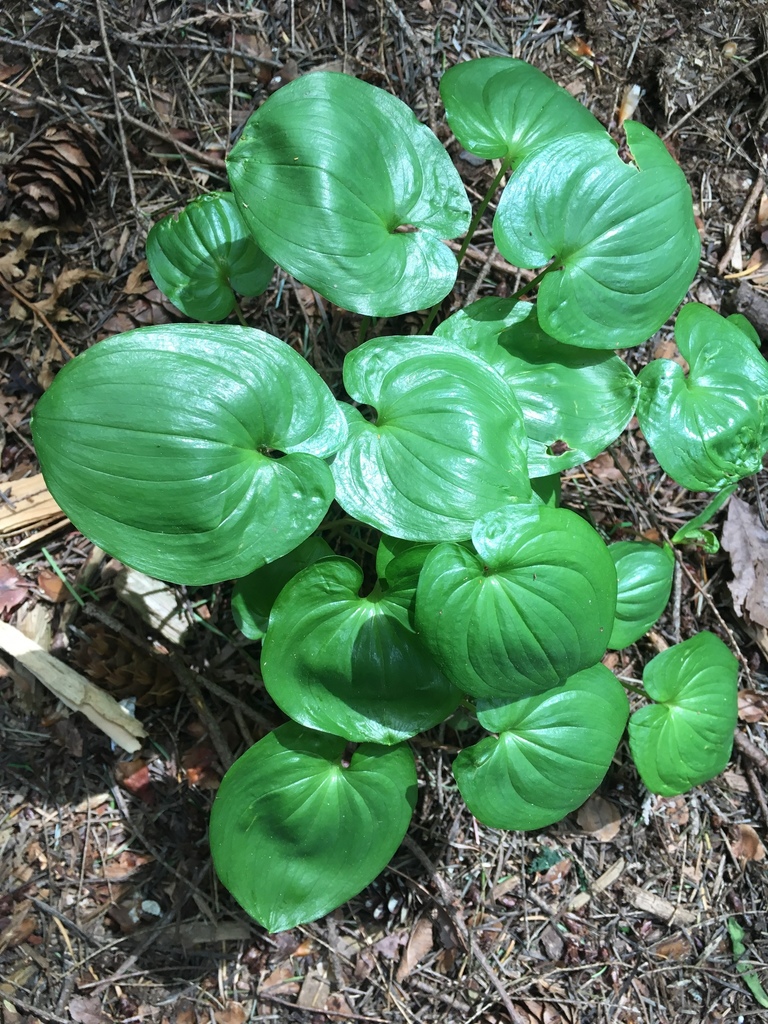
[[7, 286], [748, 748], [738, 227], [713, 92]]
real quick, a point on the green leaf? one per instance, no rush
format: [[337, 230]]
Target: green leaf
[[199, 257], [351, 665], [644, 572], [551, 753], [254, 594], [503, 108], [709, 428], [686, 738], [751, 980], [621, 237], [157, 445], [548, 489], [445, 448], [694, 533], [294, 833], [347, 191], [745, 327], [575, 401], [534, 605]]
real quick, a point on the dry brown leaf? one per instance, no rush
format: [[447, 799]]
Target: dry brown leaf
[[87, 1010], [753, 706], [314, 991], [281, 981], [138, 281], [13, 588], [675, 948], [599, 818], [66, 279], [746, 541], [134, 776], [419, 944], [747, 844], [19, 928], [558, 871], [52, 585], [233, 1013], [26, 233]]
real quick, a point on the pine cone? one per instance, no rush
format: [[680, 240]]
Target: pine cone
[[114, 663], [54, 176]]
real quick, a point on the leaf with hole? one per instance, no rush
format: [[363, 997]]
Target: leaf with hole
[[350, 665], [644, 572], [575, 401], [552, 752], [685, 738], [158, 445], [447, 444], [708, 428], [204, 254], [295, 833], [532, 607], [347, 191], [620, 238]]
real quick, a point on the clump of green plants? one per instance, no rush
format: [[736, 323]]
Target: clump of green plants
[[208, 452]]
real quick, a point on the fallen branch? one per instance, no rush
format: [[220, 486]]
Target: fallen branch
[[74, 690]]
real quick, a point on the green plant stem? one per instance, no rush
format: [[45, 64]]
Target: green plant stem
[[473, 224], [532, 284], [239, 314], [363, 330], [634, 689]]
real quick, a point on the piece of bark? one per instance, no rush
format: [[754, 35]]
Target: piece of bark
[[650, 903], [74, 690], [752, 303]]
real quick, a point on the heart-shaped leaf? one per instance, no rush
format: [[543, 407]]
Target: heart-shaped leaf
[[347, 191], [295, 833], [254, 594], [551, 753], [351, 665], [686, 738], [502, 108], [622, 237], [205, 254], [534, 605], [644, 572], [157, 445], [709, 428], [447, 445], [575, 401]]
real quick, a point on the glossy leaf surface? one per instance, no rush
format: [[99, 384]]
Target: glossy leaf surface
[[551, 753], [156, 444], [447, 445], [534, 606], [351, 665], [204, 254], [622, 237], [254, 594], [294, 833], [708, 428], [347, 191], [644, 573], [575, 401], [686, 738], [503, 108]]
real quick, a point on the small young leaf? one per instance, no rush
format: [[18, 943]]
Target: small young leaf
[[201, 256], [254, 594], [294, 833], [575, 401], [447, 445], [621, 237], [693, 531], [349, 665], [503, 108], [157, 443], [644, 572], [686, 738], [534, 605], [347, 191], [552, 752], [710, 428]]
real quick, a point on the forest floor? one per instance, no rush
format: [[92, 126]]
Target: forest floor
[[109, 907]]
